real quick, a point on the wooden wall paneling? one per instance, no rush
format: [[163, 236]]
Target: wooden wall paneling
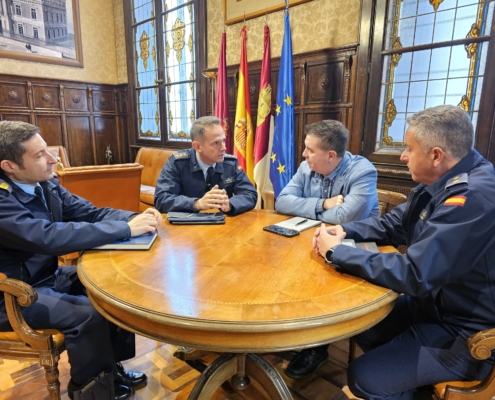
[[104, 100], [76, 99], [105, 128], [46, 97], [13, 95], [51, 129], [325, 83], [16, 117], [80, 143]]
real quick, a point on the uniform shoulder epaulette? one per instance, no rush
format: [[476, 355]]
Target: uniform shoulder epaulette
[[182, 155], [230, 156], [4, 186], [456, 180]]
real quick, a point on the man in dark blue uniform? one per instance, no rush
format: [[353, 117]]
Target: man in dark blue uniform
[[204, 177], [447, 276], [40, 220]]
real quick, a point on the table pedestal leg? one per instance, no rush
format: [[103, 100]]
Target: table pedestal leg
[[240, 367]]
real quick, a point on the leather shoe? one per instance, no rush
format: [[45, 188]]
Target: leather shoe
[[306, 362], [134, 380]]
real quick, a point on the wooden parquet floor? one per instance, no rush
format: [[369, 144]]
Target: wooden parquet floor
[[172, 379]]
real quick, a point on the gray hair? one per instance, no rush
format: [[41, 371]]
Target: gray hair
[[198, 127], [12, 135], [333, 135], [448, 127]]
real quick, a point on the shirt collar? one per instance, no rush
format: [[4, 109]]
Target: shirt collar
[[29, 189], [203, 165]]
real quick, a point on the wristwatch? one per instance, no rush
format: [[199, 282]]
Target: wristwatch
[[329, 254]]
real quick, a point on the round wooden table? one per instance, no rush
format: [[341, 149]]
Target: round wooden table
[[234, 289]]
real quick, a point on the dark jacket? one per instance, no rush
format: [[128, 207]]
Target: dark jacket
[[182, 181], [33, 234], [449, 227]]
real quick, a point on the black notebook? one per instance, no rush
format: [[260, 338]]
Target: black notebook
[[142, 242], [184, 218]]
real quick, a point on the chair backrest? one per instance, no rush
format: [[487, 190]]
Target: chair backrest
[[116, 185], [388, 200], [152, 160]]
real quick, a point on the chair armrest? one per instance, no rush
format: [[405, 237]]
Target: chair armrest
[[17, 294], [481, 344]]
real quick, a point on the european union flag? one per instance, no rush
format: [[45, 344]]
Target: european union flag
[[283, 157]]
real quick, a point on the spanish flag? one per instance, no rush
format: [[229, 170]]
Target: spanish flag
[[455, 201], [243, 127]]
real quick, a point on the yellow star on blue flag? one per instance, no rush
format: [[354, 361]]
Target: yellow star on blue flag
[[288, 100]]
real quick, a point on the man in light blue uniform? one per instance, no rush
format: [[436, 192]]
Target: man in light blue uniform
[[333, 186]]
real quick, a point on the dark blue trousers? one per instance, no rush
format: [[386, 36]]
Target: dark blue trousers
[[409, 350], [93, 344]]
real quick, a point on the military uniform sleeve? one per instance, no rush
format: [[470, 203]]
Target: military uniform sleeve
[[21, 230], [450, 242], [358, 202], [245, 195], [168, 189]]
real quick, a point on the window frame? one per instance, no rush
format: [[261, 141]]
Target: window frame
[[368, 85], [201, 81]]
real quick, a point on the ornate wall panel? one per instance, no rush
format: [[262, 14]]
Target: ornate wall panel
[[46, 97], [13, 95], [85, 118]]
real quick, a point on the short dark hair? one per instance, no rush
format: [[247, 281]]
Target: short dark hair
[[447, 126], [333, 135], [12, 135], [198, 127]]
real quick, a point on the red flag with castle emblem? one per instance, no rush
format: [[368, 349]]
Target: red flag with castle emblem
[[222, 99], [243, 127], [265, 122]]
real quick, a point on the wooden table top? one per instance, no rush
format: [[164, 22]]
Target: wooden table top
[[232, 287]]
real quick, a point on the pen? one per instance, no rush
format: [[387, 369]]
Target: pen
[[301, 222]]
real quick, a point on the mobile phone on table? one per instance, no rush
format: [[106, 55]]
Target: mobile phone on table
[[281, 231]]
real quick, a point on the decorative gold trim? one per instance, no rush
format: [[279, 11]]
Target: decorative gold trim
[[472, 48], [391, 112], [396, 56], [144, 44], [152, 15], [178, 32], [190, 43], [170, 119], [436, 3], [192, 116], [464, 104], [157, 118]]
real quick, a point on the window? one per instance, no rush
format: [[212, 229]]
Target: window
[[48, 33], [20, 28], [46, 16], [167, 68], [57, 17], [35, 33], [33, 13], [429, 53], [53, 19], [18, 9]]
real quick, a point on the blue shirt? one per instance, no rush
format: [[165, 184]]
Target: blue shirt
[[354, 178]]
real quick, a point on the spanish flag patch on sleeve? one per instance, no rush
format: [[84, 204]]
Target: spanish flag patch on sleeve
[[455, 201]]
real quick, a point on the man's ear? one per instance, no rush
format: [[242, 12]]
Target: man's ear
[[437, 156], [7, 166], [331, 155], [196, 145]]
